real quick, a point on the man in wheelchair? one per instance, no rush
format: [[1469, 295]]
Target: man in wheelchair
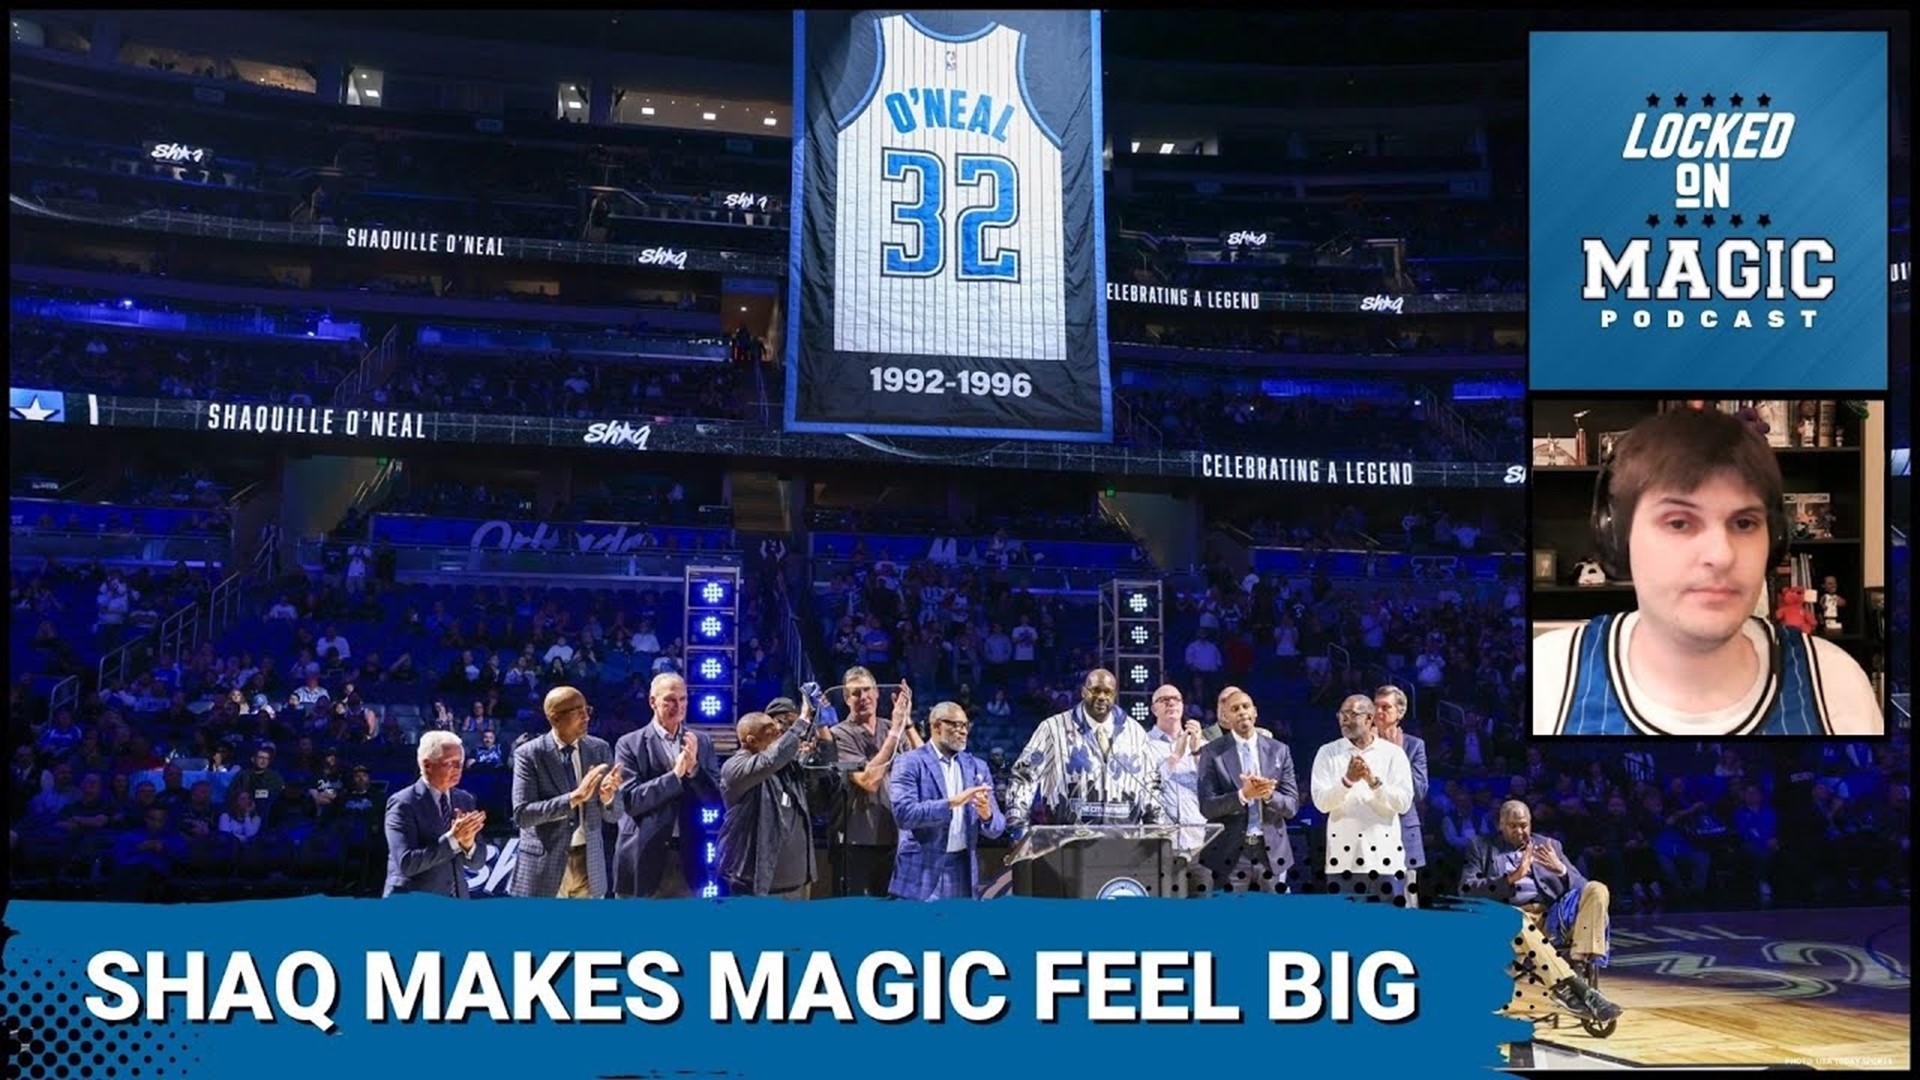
[[1535, 875]]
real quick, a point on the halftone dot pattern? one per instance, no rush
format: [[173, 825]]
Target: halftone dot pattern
[[52, 1036]]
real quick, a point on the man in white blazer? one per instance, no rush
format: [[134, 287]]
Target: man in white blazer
[[1363, 783], [564, 782]]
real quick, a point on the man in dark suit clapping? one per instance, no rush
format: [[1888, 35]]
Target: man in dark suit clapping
[[669, 771], [564, 783], [1247, 784], [433, 829]]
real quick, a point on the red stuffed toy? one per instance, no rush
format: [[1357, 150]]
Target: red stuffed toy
[[1793, 610]]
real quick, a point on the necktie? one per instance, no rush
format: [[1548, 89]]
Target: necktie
[[1250, 767], [1105, 735], [573, 777]]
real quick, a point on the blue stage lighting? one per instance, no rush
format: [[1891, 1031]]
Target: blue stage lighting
[[709, 816]]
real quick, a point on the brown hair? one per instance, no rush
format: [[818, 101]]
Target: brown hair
[[1679, 450]]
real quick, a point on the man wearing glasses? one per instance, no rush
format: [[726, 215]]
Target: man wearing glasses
[[864, 823], [669, 772], [433, 829], [564, 783], [1389, 709], [1173, 748], [1363, 784], [943, 803]]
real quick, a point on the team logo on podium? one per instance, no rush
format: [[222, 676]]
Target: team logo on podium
[[1121, 888]]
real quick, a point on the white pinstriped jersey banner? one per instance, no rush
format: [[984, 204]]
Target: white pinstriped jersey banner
[[948, 248]]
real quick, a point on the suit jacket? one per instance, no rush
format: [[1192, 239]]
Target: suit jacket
[[421, 854], [919, 797], [651, 800], [1219, 767], [541, 797], [1490, 859], [1411, 835], [753, 785]]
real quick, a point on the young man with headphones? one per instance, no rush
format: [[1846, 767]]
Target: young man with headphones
[[1690, 510]]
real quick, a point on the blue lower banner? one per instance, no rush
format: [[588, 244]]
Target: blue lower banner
[[322, 986]]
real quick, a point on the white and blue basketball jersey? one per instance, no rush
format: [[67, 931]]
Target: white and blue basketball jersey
[[950, 238], [1595, 699]]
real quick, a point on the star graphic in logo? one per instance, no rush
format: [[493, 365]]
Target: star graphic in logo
[[35, 411], [1735, 100], [1707, 221], [1707, 100], [1680, 100], [1766, 221], [1680, 219], [1738, 221], [1653, 100], [1764, 100], [1653, 220]]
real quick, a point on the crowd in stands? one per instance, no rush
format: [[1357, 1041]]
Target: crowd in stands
[[1451, 336], [995, 533], [642, 497], [1444, 525], [1449, 227], [1224, 420], [74, 357], [65, 616], [555, 384], [263, 169]]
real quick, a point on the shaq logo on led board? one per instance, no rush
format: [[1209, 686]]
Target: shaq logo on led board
[[1708, 210]]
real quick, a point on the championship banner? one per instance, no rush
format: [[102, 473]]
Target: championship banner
[[1708, 210], [324, 987], [948, 258]]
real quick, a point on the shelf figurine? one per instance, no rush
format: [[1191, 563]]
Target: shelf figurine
[[1830, 602], [1809, 426], [1588, 572]]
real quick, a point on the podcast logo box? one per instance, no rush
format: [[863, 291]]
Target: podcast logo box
[[1708, 211]]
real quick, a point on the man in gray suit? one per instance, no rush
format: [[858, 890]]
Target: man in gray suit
[[1389, 709], [563, 782], [433, 830]]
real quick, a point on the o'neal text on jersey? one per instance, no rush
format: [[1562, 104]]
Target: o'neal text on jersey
[[947, 108]]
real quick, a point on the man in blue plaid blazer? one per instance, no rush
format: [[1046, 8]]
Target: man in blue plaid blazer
[[563, 784], [943, 803]]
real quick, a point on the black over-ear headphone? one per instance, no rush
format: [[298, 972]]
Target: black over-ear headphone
[[1610, 536]]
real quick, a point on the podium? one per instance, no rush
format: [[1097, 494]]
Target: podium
[[1106, 862]]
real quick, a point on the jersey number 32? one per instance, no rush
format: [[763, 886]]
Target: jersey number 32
[[922, 205]]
